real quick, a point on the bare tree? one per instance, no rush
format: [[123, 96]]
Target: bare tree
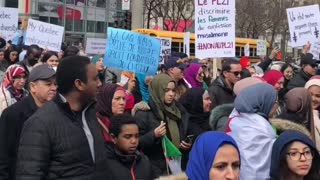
[[149, 8]]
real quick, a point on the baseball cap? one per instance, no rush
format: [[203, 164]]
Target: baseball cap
[[172, 62], [41, 72], [308, 60]]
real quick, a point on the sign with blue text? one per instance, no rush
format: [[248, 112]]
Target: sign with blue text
[[132, 51]]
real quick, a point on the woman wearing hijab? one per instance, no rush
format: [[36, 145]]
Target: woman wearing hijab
[[193, 76], [165, 117], [298, 107], [197, 103], [294, 157], [250, 127], [110, 101], [274, 78], [12, 87], [98, 61], [313, 87]]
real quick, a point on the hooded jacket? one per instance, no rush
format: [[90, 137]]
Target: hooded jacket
[[219, 117], [299, 80], [220, 92]]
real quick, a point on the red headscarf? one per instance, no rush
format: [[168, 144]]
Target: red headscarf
[[272, 77], [12, 71], [244, 62]]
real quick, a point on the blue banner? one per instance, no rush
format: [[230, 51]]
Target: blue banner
[[132, 51]]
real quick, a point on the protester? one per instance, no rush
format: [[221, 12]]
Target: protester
[[123, 159], [214, 155], [245, 73], [198, 104], [313, 87], [51, 58], [42, 85], [274, 78], [31, 58], [12, 86], [193, 76], [256, 71], [3, 65], [63, 138], [70, 51], [309, 69], [164, 117], [130, 85], [287, 71], [245, 62], [110, 101], [268, 59], [98, 61], [298, 107], [250, 128], [221, 89], [10, 56], [2, 55], [294, 156]]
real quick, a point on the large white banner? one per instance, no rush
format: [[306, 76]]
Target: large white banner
[[45, 35], [304, 25], [214, 28], [8, 23], [261, 48], [165, 50], [186, 43], [95, 46]]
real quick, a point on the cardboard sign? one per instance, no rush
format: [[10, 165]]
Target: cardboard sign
[[165, 51], [261, 48], [95, 46], [45, 35], [8, 23], [304, 25], [132, 51], [214, 28]]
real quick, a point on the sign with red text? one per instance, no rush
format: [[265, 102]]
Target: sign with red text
[[45, 35], [214, 28], [304, 25]]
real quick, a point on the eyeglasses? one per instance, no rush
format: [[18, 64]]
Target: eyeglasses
[[236, 73], [296, 156]]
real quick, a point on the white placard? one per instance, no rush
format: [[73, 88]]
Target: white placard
[[214, 28], [304, 25], [315, 50], [95, 46], [45, 35], [165, 51], [8, 23], [261, 48], [186, 43], [247, 50], [125, 5]]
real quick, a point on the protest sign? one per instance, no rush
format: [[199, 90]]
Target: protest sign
[[8, 23], [132, 51], [125, 5], [261, 48], [214, 28], [186, 43], [45, 35], [304, 25], [315, 50], [247, 50], [165, 51], [95, 45]]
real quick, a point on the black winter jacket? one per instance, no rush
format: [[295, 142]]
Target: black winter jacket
[[54, 145], [298, 80], [127, 167], [220, 93], [11, 124], [149, 144]]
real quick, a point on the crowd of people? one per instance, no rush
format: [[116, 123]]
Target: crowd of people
[[67, 116]]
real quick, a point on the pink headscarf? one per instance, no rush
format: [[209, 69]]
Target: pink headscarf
[[272, 77], [190, 75]]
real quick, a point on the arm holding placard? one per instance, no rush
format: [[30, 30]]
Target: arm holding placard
[[268, 59]]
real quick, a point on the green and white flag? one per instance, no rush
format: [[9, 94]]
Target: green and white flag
[[172, 155]]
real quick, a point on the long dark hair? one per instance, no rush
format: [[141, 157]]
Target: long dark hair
[[47, 55], [7, 52], [284, 170]]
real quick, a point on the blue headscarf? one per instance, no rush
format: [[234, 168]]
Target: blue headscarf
[[280, 146], [203, 153], [258, 98]]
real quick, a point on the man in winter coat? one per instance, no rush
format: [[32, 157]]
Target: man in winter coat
[[42, 85], [221, 90], [63, 139], [31, 58], [123, 159]]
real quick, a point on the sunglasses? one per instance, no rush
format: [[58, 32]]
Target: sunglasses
[[236, 73]]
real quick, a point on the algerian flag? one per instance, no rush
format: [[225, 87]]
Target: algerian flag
[[172, 155]]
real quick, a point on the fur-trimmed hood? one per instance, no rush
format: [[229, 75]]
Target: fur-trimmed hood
[[283, 125], [181, 176], [218, 112]]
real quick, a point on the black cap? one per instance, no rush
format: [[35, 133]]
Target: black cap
[[41, 72], [172, 62], [307, 59]]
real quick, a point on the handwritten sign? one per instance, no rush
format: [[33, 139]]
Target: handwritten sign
[[315, 50], [95, 45], [247, 50], [215, 28], [44, 35], [186, 43], [165, 51], [8, 23], [132, 51], [304, 24], [261, 48]]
